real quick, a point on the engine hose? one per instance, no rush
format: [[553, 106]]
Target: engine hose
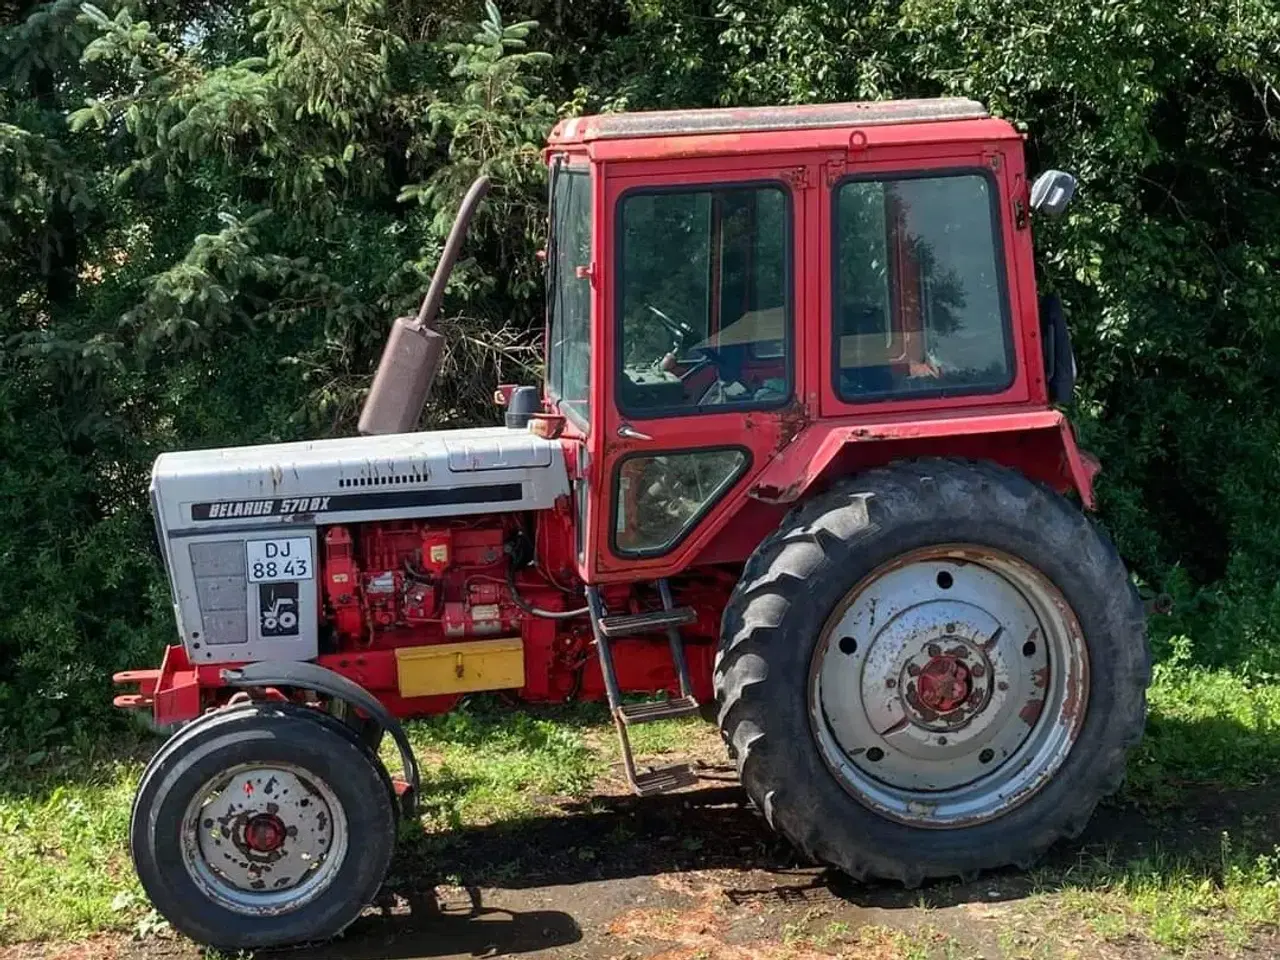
[[533, 611]]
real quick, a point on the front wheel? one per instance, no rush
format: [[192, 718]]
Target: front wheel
[[263, 824], [935, 668]]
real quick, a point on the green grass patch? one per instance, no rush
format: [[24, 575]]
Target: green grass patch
[[665, 736], [1205, 726], [1182, 903], [64, 866], [482, 763]]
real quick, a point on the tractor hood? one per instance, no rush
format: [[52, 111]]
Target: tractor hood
[[430, 474]]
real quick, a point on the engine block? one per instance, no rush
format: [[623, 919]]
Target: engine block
[[404, 583]]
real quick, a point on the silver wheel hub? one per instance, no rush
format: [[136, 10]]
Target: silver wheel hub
[[264, 839], [947, 686]]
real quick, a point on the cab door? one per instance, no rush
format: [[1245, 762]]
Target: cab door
[[700, 302]]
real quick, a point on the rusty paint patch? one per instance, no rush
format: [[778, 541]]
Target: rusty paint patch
[[922, 709], [768, 493], [869, 433], [1040, 678], [1030, 713], [791, 422]]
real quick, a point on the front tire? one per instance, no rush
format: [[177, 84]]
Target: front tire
[[263, 824], [933, 669]]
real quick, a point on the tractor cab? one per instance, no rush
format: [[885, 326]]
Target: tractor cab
[[722, 283]]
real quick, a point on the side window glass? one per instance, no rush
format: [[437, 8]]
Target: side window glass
[[919, 305], [661, 497], [569, 295], [703, 305]]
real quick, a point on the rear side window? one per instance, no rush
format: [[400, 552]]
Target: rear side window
[[919, 302]]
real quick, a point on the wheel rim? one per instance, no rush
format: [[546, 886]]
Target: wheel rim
[[949, 686], [264, 839]]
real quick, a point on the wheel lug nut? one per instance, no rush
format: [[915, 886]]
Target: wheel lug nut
[[933, 650], [942, 741], [875, 754], [891, 683], [986, 755]]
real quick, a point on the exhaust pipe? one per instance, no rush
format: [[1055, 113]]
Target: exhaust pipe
[[414, 349]]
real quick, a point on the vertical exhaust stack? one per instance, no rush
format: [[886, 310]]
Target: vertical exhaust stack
[[414, 348]]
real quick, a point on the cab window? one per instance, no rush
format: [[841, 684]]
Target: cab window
[[568, 294], [704, 303], [919, 303]]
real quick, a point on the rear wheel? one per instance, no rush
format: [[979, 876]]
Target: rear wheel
[[263, 825], [934, 669]]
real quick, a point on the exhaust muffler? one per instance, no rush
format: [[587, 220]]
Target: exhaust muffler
[[414, 349]]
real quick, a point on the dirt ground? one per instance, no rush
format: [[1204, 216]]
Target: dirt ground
[[698, 876]]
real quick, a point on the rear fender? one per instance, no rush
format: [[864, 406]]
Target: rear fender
[[1038, 443]]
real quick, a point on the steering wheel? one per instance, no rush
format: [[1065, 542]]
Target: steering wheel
[[676, 328]]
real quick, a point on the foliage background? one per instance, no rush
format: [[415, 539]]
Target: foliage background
[[210, 211]]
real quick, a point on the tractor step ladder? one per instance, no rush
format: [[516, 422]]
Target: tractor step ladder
[[668, 620]]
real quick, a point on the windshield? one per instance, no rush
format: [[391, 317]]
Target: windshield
[[919, 302], [569, 295]]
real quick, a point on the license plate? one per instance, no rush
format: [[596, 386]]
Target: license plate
[[273, 560]]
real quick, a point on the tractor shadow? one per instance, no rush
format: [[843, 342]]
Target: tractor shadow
[[427, 924], [594, 857]]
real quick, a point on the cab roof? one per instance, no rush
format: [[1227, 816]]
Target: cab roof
[[675, 134], [675, 123]]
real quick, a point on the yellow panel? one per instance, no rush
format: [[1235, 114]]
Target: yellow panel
[[460, 667]]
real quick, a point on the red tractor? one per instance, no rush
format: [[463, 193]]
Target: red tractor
[[796, 453]]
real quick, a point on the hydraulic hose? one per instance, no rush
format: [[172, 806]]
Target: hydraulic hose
[[533, 611]]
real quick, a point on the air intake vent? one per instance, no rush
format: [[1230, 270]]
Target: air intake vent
[[384, 479]]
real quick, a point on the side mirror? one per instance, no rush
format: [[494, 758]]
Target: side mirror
[[1052, 191]]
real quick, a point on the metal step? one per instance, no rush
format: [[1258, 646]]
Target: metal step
[[633, 713], [663, 780], [667, 620], [654, 621]]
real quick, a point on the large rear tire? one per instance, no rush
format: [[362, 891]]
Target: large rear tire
[[261, 825], [933, 669]]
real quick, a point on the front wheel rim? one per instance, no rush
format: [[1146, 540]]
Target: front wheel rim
[[264, 839], [948, 686]]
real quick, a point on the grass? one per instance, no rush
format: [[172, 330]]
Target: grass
[[1205, 726], [64, 870], [64, 823], [1177, 901], [869, 940], [484, 765]]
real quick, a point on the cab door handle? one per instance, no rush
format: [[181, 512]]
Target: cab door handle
[[629, 432]]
